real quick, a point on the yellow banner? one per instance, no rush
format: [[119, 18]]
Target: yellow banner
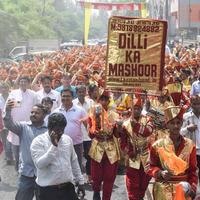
[[144, 11], [135, 53], [87, 14]]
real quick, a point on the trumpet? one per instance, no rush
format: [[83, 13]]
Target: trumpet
[[157, 117], [98, 112]]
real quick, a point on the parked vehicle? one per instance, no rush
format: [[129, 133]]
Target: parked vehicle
[[35, 45], [30, 56]]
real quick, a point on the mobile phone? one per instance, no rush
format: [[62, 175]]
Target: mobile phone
[[17, 103]]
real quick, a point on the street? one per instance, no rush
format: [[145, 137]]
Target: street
[[9, 180]]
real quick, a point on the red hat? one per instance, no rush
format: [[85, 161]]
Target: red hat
[[138, 102], [105, 94]]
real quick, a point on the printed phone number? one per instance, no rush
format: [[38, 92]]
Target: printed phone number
[[135, 28]]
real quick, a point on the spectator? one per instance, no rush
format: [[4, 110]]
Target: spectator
[[56, 162], [24, 99], [86, 104], [66, 80], [93, 92], [26, 131], [195, 90], [47, 102], [47, 91], [75, 116], [191, 125]]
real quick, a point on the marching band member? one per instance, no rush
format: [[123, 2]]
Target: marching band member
[[173, 162], [156, 107], [104, 151], [134, 135]]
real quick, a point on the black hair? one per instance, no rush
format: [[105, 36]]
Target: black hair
[[43, 78], [40, 106], [47, 99], [56, 120], [80, 87], [24, 78], [104, 97], [91, 88], [67, 90]]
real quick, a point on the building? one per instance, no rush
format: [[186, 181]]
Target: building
[[184, 17]]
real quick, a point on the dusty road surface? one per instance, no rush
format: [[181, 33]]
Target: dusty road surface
[[8, 185]]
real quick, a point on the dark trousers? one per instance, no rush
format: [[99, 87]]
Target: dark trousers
[[198, 165], [79, 152], [86, 147], [66, 192], [27, 188], [105, 173], [137, 182]]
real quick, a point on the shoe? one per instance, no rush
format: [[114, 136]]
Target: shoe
[[96, 196]]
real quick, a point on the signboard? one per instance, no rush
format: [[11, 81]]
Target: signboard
[[135, 53]]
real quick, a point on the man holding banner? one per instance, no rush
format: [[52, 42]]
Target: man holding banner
[[135, 60]]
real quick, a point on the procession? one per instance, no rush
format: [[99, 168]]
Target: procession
[[104, 121]]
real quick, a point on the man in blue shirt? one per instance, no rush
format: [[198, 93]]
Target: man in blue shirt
[[195, 90], [26, 131]]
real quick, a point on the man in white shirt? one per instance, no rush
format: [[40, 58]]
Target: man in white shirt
[[24, 99], [86, 104], [75, 116], [56, 162], [191, 125], [47, 91]]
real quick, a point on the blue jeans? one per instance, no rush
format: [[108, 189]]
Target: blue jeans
[[27, 188], [11, 150]]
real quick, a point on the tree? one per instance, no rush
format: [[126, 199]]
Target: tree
[[9, 32]]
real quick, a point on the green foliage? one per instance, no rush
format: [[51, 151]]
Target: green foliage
[[32, 19]]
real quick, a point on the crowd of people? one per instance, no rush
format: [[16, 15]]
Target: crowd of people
[[58, 122]]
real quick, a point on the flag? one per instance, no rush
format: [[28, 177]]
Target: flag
[[144, 11], [87, 14]]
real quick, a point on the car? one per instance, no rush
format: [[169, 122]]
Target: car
[[23, 56], [7, 61], [30, 56], [69, 45]]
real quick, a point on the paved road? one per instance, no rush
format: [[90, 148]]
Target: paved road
[[9, 182]]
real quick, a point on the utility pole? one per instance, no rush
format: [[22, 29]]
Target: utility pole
[[166, 10], [189, 18]]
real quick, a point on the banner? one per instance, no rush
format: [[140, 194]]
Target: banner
[[110, 6], [87, 14], [135, 53]]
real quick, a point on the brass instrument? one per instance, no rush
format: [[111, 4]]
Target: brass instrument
[[98, 112], [157, 117]]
